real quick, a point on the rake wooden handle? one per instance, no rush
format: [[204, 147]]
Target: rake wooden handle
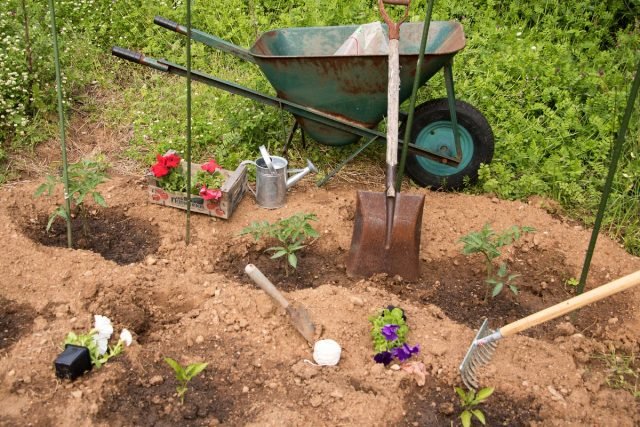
[[572, 304], [265, 284]]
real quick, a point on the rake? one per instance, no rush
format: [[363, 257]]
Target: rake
[[486, 341]]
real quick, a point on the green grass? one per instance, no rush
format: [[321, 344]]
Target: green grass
[[551, 77]]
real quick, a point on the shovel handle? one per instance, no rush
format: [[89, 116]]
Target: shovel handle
[[394, 27], [572, 304], [265, 284]]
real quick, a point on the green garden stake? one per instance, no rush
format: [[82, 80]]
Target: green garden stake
[[188, 236], [615, 156], [412, 101], [65, 175]]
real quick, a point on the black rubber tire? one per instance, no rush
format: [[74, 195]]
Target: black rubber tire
[[473, 122]]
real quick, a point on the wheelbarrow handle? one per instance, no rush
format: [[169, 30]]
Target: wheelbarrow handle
[[394, 27], [138, 58]]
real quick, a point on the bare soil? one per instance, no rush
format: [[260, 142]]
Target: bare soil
[[194, 303]]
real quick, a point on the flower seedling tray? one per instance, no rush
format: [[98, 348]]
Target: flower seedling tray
[[73, 362], [233, 189]]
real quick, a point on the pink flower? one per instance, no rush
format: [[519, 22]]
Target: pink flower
[[211, 166], [207, 194]]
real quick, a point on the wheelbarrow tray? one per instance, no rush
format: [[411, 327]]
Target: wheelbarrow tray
[[301, 66]]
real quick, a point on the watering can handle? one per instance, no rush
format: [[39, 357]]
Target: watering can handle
[[249, 162], [267, 159], [394, 27]]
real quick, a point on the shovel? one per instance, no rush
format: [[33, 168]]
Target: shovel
[[484, 344], [298, 315], [386, 231]]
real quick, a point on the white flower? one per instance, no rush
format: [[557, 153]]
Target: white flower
[[533, 48], [519, 33], [125, 337], [103, 326], [102, 344]]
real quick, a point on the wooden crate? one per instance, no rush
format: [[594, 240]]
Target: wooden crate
[[233, 189]]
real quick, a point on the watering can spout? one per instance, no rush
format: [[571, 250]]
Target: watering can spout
[[300, 173]]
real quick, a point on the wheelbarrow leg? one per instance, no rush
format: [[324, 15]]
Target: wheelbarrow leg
[[451, 97], [290, 137], [292, 132], [347, 160]]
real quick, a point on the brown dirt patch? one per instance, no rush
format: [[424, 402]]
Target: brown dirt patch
[[15, 321], [109, 232], [435, 405], [193, 303]]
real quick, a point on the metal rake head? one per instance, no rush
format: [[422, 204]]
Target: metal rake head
[[478, 355]]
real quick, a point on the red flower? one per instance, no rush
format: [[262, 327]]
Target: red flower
[[207, 194], [211, 167], [159, 170], [172, 160], [164, 164]]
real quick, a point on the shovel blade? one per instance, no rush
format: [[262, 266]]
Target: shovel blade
[[368, 254], [299, 317]]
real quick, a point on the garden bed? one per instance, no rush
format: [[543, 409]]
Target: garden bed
[[193, 303]]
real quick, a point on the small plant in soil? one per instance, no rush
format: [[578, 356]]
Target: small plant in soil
[[623, 372], [84, 177], [184, 374], [469, 400], [292, 233], [488, 243], [389, 332], [97, 341], [172, 177]]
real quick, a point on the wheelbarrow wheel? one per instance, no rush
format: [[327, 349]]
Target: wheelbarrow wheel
[[432, 130]]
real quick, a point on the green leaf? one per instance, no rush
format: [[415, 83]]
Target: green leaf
[[293, 260], [497, 289], [194, 369], [177, 368], [99, 199], [279, 254], [484, 393], [502, 270], [461, 393], [41, 189], [514, 289], [479, 415], [465, 417]]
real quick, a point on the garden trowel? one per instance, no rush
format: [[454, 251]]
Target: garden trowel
[[298, 315], [387, 226]]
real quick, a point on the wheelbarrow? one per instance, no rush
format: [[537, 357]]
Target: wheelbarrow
[[337, 100]]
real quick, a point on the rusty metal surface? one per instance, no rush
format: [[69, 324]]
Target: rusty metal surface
[[300, 64], [368, 255]]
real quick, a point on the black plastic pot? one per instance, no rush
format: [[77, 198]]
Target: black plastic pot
[[73, 362]]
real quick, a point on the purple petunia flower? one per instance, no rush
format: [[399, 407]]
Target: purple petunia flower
[[384, 357], [405, 352], [390, 332]]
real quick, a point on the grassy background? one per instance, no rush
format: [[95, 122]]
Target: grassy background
[[552, 77]]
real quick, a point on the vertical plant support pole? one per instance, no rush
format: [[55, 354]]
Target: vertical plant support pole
[[414, 91], [615, 156], [188, 236], [27, 44], [63, 144]]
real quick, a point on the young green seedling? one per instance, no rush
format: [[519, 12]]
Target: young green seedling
[[488, 243], [184, 374], [469, 400], [291, 232], [84, 177]]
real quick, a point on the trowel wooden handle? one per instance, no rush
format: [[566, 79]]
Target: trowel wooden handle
[[572, 304], [265, 284]]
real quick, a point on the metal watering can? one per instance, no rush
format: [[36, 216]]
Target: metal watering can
[[271, 178]]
